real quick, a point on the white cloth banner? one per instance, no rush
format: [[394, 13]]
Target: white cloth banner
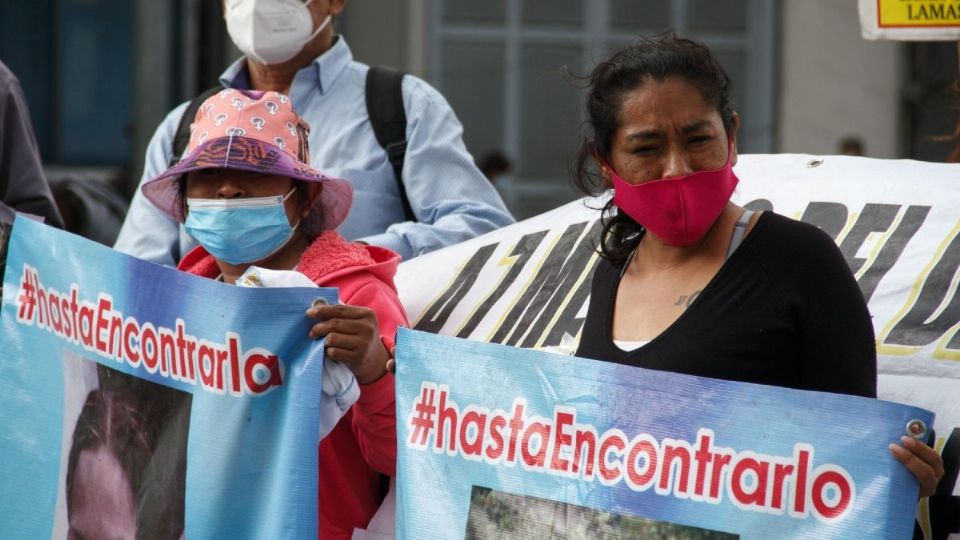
[[896, 222], [910, 20]]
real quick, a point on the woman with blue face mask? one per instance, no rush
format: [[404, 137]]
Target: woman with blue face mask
[[690, 282], [245, 191]]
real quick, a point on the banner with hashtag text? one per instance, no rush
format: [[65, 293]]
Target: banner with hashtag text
[[896, 222], [138, 401], [500, 442]]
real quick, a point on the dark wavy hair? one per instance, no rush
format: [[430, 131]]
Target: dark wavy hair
[[144, 426], [657, 58], [109, 421]]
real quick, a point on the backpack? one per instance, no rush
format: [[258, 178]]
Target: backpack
[[384, 97]]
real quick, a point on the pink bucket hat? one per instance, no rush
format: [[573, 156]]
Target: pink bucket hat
[[250, 131]]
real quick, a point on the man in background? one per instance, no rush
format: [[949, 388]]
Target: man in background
[[290, 47]]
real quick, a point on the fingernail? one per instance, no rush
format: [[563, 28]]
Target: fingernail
[[905, 440]]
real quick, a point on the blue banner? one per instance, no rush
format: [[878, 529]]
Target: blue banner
[[499, 442], [137, 397]]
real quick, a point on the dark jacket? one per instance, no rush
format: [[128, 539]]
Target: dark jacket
[[23, 188]]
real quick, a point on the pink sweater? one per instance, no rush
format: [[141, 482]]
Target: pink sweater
[[363, 445]]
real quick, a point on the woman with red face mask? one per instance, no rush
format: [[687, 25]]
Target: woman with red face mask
[[690, 282]]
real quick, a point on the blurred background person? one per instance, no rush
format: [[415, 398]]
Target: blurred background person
[[851, 145], [90, 208], [23, 187], [494, 166]]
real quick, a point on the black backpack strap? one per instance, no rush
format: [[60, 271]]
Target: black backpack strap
[[182, 138], [384, 95]]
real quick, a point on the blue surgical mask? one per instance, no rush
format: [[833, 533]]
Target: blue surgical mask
[[240, 231]]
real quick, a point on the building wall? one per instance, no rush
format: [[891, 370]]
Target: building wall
[[153, 96], [835, 83], [379, 32]]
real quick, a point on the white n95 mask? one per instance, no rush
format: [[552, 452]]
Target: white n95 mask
[[271, 31]]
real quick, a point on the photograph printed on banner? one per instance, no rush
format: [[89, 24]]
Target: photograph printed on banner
[[506, 516], [124, 456]]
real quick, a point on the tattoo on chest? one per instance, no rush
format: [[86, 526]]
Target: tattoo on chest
[[686, 299]]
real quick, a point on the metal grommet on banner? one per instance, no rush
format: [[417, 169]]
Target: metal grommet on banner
[[917, 429], [318, 301], [814, 163]]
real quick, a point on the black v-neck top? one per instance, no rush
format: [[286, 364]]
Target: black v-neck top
[[783, 310]]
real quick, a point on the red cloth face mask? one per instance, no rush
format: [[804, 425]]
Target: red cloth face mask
[[678, 210]]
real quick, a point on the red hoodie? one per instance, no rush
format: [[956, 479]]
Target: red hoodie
[[364, 443]]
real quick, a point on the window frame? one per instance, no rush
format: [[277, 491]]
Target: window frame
[[595, 38]]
